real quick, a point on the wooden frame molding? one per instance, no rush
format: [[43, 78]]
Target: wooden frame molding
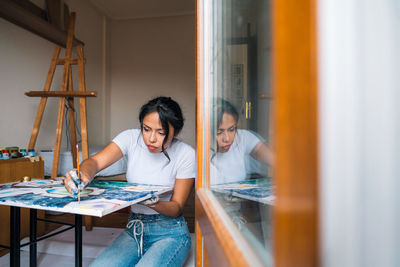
[[199, 130], [225, 245], [296, 108]]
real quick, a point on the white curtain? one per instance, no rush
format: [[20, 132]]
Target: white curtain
[[359, 115]]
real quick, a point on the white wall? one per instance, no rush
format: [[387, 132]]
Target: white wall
[[24, 63], [128, 62], [152, 57]]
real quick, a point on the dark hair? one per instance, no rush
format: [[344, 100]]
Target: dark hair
[[168, 111], [224, 106]]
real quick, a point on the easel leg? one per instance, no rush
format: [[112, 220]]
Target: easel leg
[[82, 103], [43, 100], [71, 115], [83, 117], [64, 87], [57, 145]]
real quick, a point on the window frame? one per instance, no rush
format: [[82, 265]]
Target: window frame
[[295, 135]]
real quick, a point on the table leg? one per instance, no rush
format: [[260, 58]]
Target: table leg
[[32, 238], [78, 240], [15, 245]]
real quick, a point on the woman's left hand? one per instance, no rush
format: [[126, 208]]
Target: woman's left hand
[[151, 202]]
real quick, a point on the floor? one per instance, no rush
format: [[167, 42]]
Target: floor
[[59, 249]]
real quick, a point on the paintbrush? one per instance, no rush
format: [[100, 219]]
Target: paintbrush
[[79, 174]]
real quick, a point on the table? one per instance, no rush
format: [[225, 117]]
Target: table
[[99, 198]]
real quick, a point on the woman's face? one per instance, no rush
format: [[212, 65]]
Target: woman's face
[[153, 133], [226, 133]]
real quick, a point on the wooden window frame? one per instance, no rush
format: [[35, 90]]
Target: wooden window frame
[[295, 114]]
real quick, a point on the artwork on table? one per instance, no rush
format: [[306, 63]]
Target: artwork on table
[[139, 188], [62, 192], [38, 183], [4, 192], [259, 190], [99, 198], [98, 204]]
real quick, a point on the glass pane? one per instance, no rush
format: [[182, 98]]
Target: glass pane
[[239, 90]]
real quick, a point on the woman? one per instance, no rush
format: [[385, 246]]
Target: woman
[[234, 146], [156, 234]]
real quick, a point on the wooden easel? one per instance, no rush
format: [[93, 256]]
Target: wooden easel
[[66, 94]]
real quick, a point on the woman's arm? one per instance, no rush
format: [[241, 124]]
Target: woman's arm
[[89, 167], [263, 153], [174, 207]]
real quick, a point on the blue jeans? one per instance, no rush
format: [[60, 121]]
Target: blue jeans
[[148, 240]]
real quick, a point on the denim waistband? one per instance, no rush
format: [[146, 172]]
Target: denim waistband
[[150, 217]]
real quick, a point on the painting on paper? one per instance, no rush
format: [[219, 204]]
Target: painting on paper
[[99, 198]]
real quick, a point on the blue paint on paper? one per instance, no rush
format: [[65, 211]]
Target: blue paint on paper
[[108, 184], [32, 199], [111, 184], [6, 186], [113, 190], [124, 195], [46, 201]]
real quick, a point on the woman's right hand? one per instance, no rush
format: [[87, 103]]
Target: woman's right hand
[[90, 166], [72, 182]]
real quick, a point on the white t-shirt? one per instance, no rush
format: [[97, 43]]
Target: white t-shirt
[[145, 167], [232, 166]]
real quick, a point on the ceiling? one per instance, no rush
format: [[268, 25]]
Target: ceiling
[[132, 9]]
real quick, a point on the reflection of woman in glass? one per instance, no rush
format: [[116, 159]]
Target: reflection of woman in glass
[[234, 146]]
